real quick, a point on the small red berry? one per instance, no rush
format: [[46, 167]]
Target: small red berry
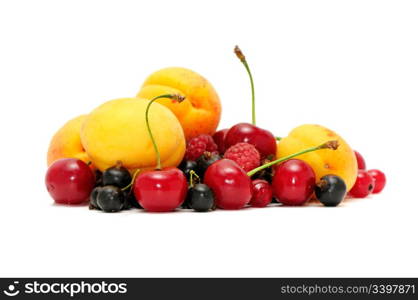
[[379, 180], [262, 193], [364, 185], [198, 145], [293, 182], [245, 155], [361, 163]]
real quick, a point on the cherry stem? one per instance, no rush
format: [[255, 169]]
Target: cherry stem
[[241, 57], [176, 97], [132, 181], [328, 145], [193, 174]]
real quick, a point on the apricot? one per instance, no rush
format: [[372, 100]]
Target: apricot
[[200, 113], [66, 142], [341, 162], [116, 131]]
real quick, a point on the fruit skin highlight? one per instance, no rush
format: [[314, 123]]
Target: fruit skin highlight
[[341, 162], [200, 113], [66, 142], [116, 131]]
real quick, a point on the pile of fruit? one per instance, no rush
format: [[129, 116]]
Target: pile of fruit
[[160, 151]]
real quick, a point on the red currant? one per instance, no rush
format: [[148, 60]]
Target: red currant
[[364, 185], [361, 163], [262, 193], [69, 181], [293, 182], [379, 180]]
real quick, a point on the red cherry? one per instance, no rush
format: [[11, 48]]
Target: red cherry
[[161, 191], [69, 181], [293, 182], [262, 193], [364, 185], [263, 140], [379, 180], [361, 163], [230, 184], [219, 138]]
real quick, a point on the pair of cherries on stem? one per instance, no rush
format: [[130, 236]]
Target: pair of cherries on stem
[[263, 140], [233, 188]]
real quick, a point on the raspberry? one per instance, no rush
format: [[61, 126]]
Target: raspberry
[[198, 145], [245, 155]]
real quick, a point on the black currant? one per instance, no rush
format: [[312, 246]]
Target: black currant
[[205, 160], [186, 203], [126, 203], [110, 199], [188, 165], [93, 197], [330, 190], [201, 198], [130, 200], [99, 178], [267, 173], [117, 176]]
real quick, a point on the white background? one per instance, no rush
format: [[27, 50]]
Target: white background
[[349, 65]]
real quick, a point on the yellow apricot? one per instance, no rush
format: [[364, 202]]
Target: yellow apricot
[[66, 142], [116, 131], [341, 162], [200, 113]]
